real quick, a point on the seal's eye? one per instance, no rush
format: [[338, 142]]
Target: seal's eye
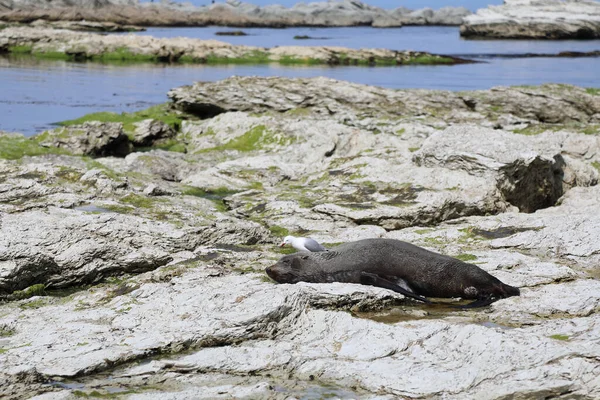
[[296, 264], [286, 261], [304, 257]]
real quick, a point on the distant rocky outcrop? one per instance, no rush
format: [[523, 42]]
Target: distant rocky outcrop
[[534, 19], [232, 13], [86, 26], [348, 13], [85, 46], [231, 33], [49, 4]]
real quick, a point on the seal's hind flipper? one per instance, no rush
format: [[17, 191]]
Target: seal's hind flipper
[[483, 302], [367, 278]]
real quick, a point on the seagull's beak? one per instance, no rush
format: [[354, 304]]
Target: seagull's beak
[[282, 244]]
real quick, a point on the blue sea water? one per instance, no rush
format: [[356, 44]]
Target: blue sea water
[[36, 93]]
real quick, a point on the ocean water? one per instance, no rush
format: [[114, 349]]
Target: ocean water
[[34, 94], [434, 39]]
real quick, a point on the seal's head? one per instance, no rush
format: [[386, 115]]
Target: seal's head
[[293, 268]]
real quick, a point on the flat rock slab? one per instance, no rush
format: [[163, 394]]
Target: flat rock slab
[[287, 330], [59, 246], [514, 161], [547, 103], [531, 19]]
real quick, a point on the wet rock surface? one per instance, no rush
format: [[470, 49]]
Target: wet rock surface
[[230, 13], [143, 276], [534, 19]]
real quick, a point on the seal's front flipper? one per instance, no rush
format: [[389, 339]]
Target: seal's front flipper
[[367, 278]]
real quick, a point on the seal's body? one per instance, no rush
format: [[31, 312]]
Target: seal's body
[[395, 265]]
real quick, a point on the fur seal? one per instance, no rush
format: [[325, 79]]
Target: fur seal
[[399, 266]]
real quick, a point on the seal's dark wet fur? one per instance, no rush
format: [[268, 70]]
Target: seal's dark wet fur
[[395, 265]]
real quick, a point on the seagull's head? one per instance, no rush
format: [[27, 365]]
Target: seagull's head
[[287, 240]]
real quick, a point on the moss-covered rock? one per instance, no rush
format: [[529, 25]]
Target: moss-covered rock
[[15, 146]]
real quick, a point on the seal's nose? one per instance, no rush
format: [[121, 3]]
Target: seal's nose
[[270, 272]]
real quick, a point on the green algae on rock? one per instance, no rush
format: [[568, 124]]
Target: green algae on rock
[[34, 290], [160, 112], [15, 146]]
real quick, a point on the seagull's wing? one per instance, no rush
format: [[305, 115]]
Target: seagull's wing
[[313, 245]]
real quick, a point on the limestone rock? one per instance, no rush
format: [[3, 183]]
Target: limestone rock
[[547, 103], [61, 247], [84, 45], [86, 26], [475, 157], [179, 304], [150, 132], [449, 16], [533, 19], [91, 138], [235, 233], [294, 330], [386, 21], [527, 179], [417, 17], [230, 13], [153, 190], [103, 183], [566, 231], [166, 165], [17, 4]]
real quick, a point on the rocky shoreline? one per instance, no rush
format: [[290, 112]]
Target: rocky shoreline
[[229, 13], [515, 19], [534, 19], [141, 273], [66, 44]]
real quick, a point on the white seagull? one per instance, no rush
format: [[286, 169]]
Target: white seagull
[[303, 244]]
